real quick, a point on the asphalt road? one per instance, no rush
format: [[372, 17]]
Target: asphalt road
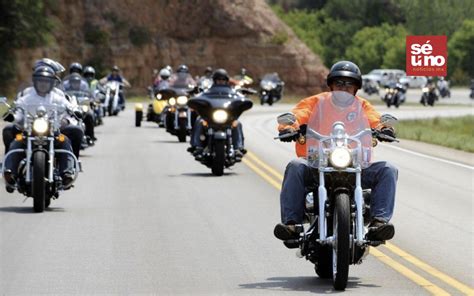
[[413, 95], [145, 218]]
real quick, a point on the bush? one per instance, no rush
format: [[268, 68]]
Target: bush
[[94, 35], [139, 36], [279, 38]]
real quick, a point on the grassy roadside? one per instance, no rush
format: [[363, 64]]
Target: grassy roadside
[[457, 133]]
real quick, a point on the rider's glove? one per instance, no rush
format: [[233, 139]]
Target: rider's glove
[[288, 131], [386, 131], [9, 117]]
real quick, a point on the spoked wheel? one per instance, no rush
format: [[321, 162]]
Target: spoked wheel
[[219, 158], [341, 242], [39, 181]]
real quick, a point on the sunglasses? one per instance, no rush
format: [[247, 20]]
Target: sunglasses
[[342, 83]]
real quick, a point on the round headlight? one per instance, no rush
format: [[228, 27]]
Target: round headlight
[[340, 158], [182, 100], [40, 125], [85, 108], [172, 101], [424, 89], [220, 116], [158, 96]]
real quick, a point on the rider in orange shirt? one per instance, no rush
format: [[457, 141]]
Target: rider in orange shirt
[[380, 176]]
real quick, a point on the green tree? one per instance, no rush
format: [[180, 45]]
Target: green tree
[[461, 53], [22, 24]]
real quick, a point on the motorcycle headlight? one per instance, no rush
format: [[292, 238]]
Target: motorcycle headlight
[[340, 158], [424, 89], [172, 101], [113, 87], [220, 116], [182, 100], [158, 96], [40, 125], [85, 108]]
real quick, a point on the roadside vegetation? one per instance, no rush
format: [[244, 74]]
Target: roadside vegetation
[[372, 33], [457, 133]]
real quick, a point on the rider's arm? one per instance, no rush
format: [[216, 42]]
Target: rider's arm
[[372, 114], [302, 111]]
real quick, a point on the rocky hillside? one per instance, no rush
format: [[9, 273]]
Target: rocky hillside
[[140, 35]]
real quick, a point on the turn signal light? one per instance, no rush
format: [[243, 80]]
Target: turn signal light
[[61, 138], [19, 137], [204, 123]]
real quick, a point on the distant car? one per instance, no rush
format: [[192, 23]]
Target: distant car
[[383, 76], [413, 81]]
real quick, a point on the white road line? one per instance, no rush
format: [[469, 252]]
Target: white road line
[[431, 157]]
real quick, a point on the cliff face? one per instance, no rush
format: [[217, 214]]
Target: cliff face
[[141, 35]]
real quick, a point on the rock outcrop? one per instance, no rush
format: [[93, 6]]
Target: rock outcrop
[[141, 35]]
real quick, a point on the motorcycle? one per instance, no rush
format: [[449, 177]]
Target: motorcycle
[[370, 87], [86, 105], [178, 118], [339, 144], [394, 94], [271, 89], [159, 100], [38, 176], [428, 95], [220, 110], [111, 104]]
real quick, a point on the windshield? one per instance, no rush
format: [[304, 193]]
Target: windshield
[[182, 81], [271, 77], [338, 106]]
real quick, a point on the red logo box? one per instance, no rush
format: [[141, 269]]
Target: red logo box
[[426, 55]]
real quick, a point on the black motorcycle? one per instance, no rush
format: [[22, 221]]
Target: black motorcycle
[[178, 118], [38, 175], [220, 108], [428, 96], [370, 87], [394, 94], [271, 89]]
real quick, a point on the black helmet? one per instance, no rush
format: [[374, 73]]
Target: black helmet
[[220, 74], [345, 69], [44, 79], [56, 66], [208, 70], [182, 69], [89, 71], [75, 68]]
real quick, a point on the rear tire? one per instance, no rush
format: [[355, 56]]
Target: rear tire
[[341, 246], [138, 118], [219, 158], [38, 183]]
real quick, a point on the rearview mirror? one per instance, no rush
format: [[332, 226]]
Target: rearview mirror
[[286, 119], [388, 120]]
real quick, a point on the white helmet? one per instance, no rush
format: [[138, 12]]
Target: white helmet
[[165, 73]]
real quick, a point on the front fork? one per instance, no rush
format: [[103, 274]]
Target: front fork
[[359, 201], [179, 114]]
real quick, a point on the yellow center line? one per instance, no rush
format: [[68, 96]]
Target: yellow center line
[[431, 270], [408, 273], [387, 260], [262, 174], [265, 166]]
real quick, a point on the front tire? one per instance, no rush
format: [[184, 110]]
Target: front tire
[[219, 158], [38, 183], [182, 132], [341, 243]]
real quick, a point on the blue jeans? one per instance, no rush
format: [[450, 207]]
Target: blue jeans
[[380, 176]]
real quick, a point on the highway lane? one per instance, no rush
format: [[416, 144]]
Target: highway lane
[[144, 217], [434, 207]]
